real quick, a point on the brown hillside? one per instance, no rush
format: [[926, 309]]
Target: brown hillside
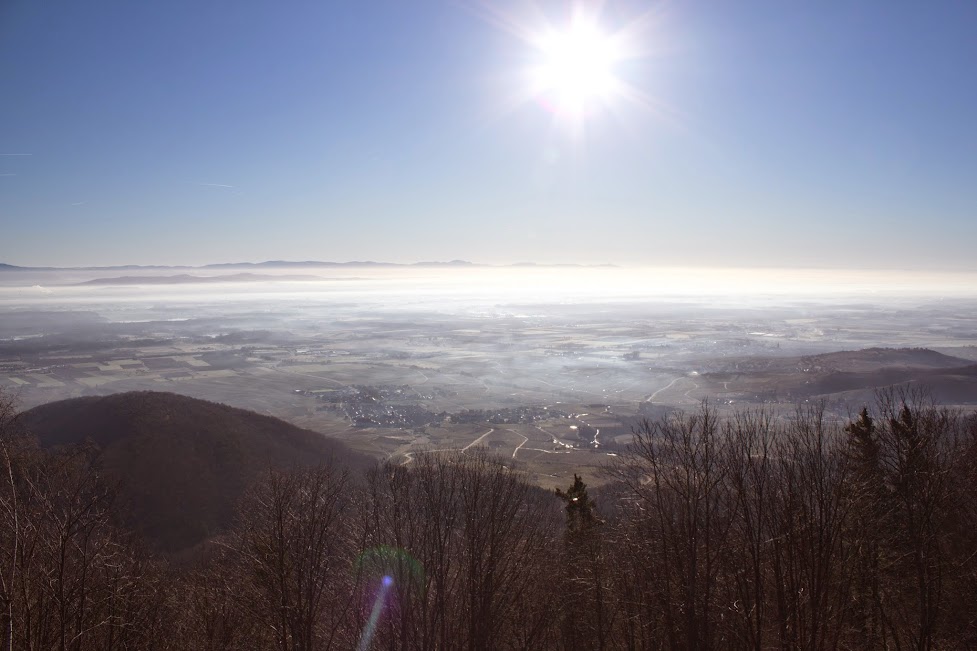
[[870, 359], [951, 386], [858, 374], [181, 464]]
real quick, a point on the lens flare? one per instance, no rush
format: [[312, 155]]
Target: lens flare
[[384, 568], [371, 623]]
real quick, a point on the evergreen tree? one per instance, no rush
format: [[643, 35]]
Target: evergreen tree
[[585, 621], [579, 507], [868, 533], [863, 442]]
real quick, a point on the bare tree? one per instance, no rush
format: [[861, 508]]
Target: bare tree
[[412, 535], [207, 607], [917, 445], [808, 552], [16, 452], [292, 551], [752, 480], [468, 544], [675, 469]]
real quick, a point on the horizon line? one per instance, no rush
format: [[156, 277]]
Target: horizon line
[[498, 265]]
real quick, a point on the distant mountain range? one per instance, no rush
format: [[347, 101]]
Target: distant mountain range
[[187, 279], [286, 264]]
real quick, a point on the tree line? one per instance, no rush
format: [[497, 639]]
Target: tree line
[[752, 531]]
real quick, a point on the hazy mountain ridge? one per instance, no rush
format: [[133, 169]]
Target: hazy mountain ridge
[[287, 264], [185, 279], [865, 359], [869, 358], [855, 373]]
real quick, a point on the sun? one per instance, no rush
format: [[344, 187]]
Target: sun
[[575, 71], [591, 64]]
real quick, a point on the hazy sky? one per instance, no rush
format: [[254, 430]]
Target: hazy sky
[[764, 133]]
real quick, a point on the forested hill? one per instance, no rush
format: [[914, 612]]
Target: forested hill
[[180, 464], [752, 531]]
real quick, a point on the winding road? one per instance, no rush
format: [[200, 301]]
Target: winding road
[[664, 388], [478, 440]]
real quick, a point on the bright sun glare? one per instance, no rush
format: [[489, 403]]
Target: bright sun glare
[[577, 68]]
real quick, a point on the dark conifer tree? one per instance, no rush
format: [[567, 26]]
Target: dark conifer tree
[[586, 615], [868, 531]]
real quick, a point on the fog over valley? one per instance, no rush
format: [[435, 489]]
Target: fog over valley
[[548, 365]]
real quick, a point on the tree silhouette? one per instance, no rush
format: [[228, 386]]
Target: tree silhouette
[[586, 612]]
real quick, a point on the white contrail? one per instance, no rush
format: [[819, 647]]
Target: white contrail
[[216, 185]]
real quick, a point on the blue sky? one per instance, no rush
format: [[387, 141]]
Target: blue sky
[[825, 134]]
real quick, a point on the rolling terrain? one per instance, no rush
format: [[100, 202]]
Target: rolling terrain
[[844, 376]]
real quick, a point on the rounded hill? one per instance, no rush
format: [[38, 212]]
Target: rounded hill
[[181, 464]]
